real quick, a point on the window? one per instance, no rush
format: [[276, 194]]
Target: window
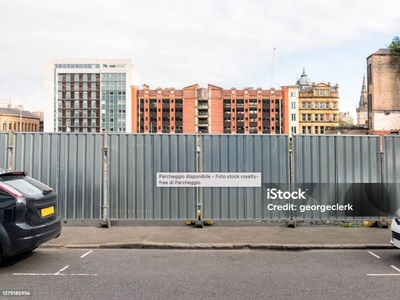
[[303, 104], [293, 94], [303, 117], [321, 117], [316, 130], [293, 129], [326, 104], [309, 104], [308, 117], [293, 105], [321, 105], [293, 117], [316, 105], [369, 75], [321, 92]]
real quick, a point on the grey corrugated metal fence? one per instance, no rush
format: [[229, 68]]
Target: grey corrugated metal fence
[[392, 168], [73, 164], [134, 160], [70, 163], [267, 154], [4, 150], [335, 168]]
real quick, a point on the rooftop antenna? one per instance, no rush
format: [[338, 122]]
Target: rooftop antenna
[[272, 67]]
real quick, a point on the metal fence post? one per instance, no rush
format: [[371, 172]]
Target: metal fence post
[[199, 221], [383, 222], [10, 140], [105, 222]]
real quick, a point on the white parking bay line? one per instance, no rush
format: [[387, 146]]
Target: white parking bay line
[[52, 274], [395, 268], [383, 274], [373, 254], [63, 269], [86, 253], [397, 274]]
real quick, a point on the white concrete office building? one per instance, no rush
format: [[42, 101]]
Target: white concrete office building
[[88, 95]]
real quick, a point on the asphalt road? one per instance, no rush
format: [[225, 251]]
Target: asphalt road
[[204, 274]]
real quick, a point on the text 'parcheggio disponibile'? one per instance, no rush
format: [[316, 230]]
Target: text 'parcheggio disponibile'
[[225, 179]]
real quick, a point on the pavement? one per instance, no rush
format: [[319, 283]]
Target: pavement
[[224, 235]]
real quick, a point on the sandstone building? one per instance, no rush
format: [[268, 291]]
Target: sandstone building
[[383, 77], [318, 106]]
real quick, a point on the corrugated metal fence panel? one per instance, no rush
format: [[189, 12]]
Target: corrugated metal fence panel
[[134, 161], [267, 154], [80, 186], [337, 162], [392, 167], [314, 159], [4, 143], [37, 154], [357, 159]]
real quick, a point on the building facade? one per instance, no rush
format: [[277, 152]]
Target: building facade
[[12, 119], [362, 109], [88, 95], [318, 106], [292, 118], [383, 77], [194, 109]]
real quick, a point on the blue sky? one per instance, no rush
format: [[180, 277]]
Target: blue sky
[[177, 43]]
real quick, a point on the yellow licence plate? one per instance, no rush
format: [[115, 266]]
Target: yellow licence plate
[[47, 211]]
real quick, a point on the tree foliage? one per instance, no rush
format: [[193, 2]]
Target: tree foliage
[[395, 47]]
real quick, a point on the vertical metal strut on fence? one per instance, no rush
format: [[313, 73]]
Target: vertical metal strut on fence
[[199, 221], [105, 222]]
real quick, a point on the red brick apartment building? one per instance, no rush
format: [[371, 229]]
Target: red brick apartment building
[[209, 110]]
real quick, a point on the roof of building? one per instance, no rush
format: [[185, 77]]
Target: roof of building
[[17, 112], [306, 89], [383, 51], [304, 80]]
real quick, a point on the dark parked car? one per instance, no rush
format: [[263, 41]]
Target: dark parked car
[[28, 215]]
